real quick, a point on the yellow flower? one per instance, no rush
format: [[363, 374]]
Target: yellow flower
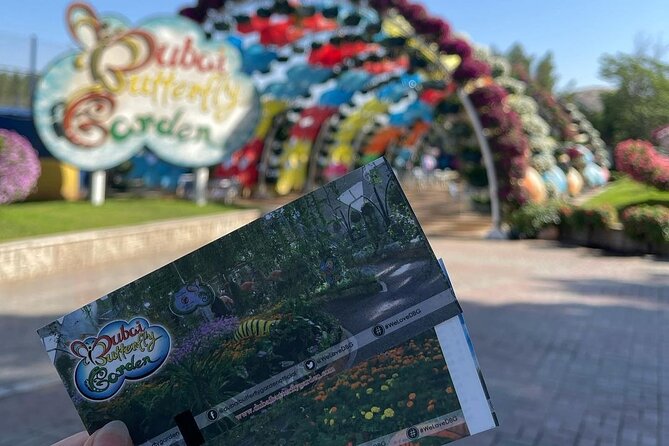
[[332, 422], [376, 409], [369, 416], [369, 391], [384, 388], [389, 413]]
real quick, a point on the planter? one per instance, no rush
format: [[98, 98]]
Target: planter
[[41, 256], [577, 237], [549, 233], [611, 239]]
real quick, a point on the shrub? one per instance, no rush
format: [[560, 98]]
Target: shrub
[[530, 219], [599, 217], [19, 167], [647, 223], [641, 161]]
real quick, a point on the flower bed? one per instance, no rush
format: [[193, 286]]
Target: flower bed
[[589, 219], [641, 161], [648, 224], [644, 229], [531, 219], [376, 397]]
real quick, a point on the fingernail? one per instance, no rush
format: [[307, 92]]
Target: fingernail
[[112, 434]]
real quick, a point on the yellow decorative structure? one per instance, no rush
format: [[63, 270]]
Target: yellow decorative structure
[[397, 26], [294, 161], [344, 153], [270, 109], [58, 181]]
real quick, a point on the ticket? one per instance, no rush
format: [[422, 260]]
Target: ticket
[[326, 321]]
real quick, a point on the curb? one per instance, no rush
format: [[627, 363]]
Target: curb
[[37, 257]]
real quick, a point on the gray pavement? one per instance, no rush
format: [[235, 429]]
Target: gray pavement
[[573, 343]]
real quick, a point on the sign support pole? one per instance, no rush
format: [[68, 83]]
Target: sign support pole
[[201, 180], [98, 185]]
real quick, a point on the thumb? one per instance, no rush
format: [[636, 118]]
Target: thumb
[[112, 434]]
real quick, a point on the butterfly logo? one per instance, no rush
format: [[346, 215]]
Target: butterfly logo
[[89, 350], [109, 52]]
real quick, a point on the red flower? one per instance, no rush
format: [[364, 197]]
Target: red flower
[[470, 69], [457, 46], [487, 96]]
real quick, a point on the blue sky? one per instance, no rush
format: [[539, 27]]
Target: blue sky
[[577, 31]]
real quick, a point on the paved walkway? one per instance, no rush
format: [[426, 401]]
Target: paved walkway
[[574, 344], [439, 213]]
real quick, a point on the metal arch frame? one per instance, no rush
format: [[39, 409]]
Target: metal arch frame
[[496, 232]]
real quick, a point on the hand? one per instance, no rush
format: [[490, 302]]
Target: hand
[[112, 434]]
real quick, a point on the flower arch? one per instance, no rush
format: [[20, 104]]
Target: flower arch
[[371, 78]]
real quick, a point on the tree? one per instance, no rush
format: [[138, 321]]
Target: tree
[[640, 102], [14, 89], [518, 58], [544, 74]]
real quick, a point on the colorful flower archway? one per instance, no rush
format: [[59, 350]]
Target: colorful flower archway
[[342, 81]]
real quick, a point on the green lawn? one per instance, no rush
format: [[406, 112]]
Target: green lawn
[[21, 220], [626, 192]]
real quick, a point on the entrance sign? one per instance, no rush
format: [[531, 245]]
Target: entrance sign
[[162, 85]]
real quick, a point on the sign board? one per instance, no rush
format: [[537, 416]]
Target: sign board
[[162, 85]]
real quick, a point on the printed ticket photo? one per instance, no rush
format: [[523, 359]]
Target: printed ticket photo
[[328, 321]]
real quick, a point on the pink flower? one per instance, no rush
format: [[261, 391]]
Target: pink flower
[[641, 161], [19, 167]]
